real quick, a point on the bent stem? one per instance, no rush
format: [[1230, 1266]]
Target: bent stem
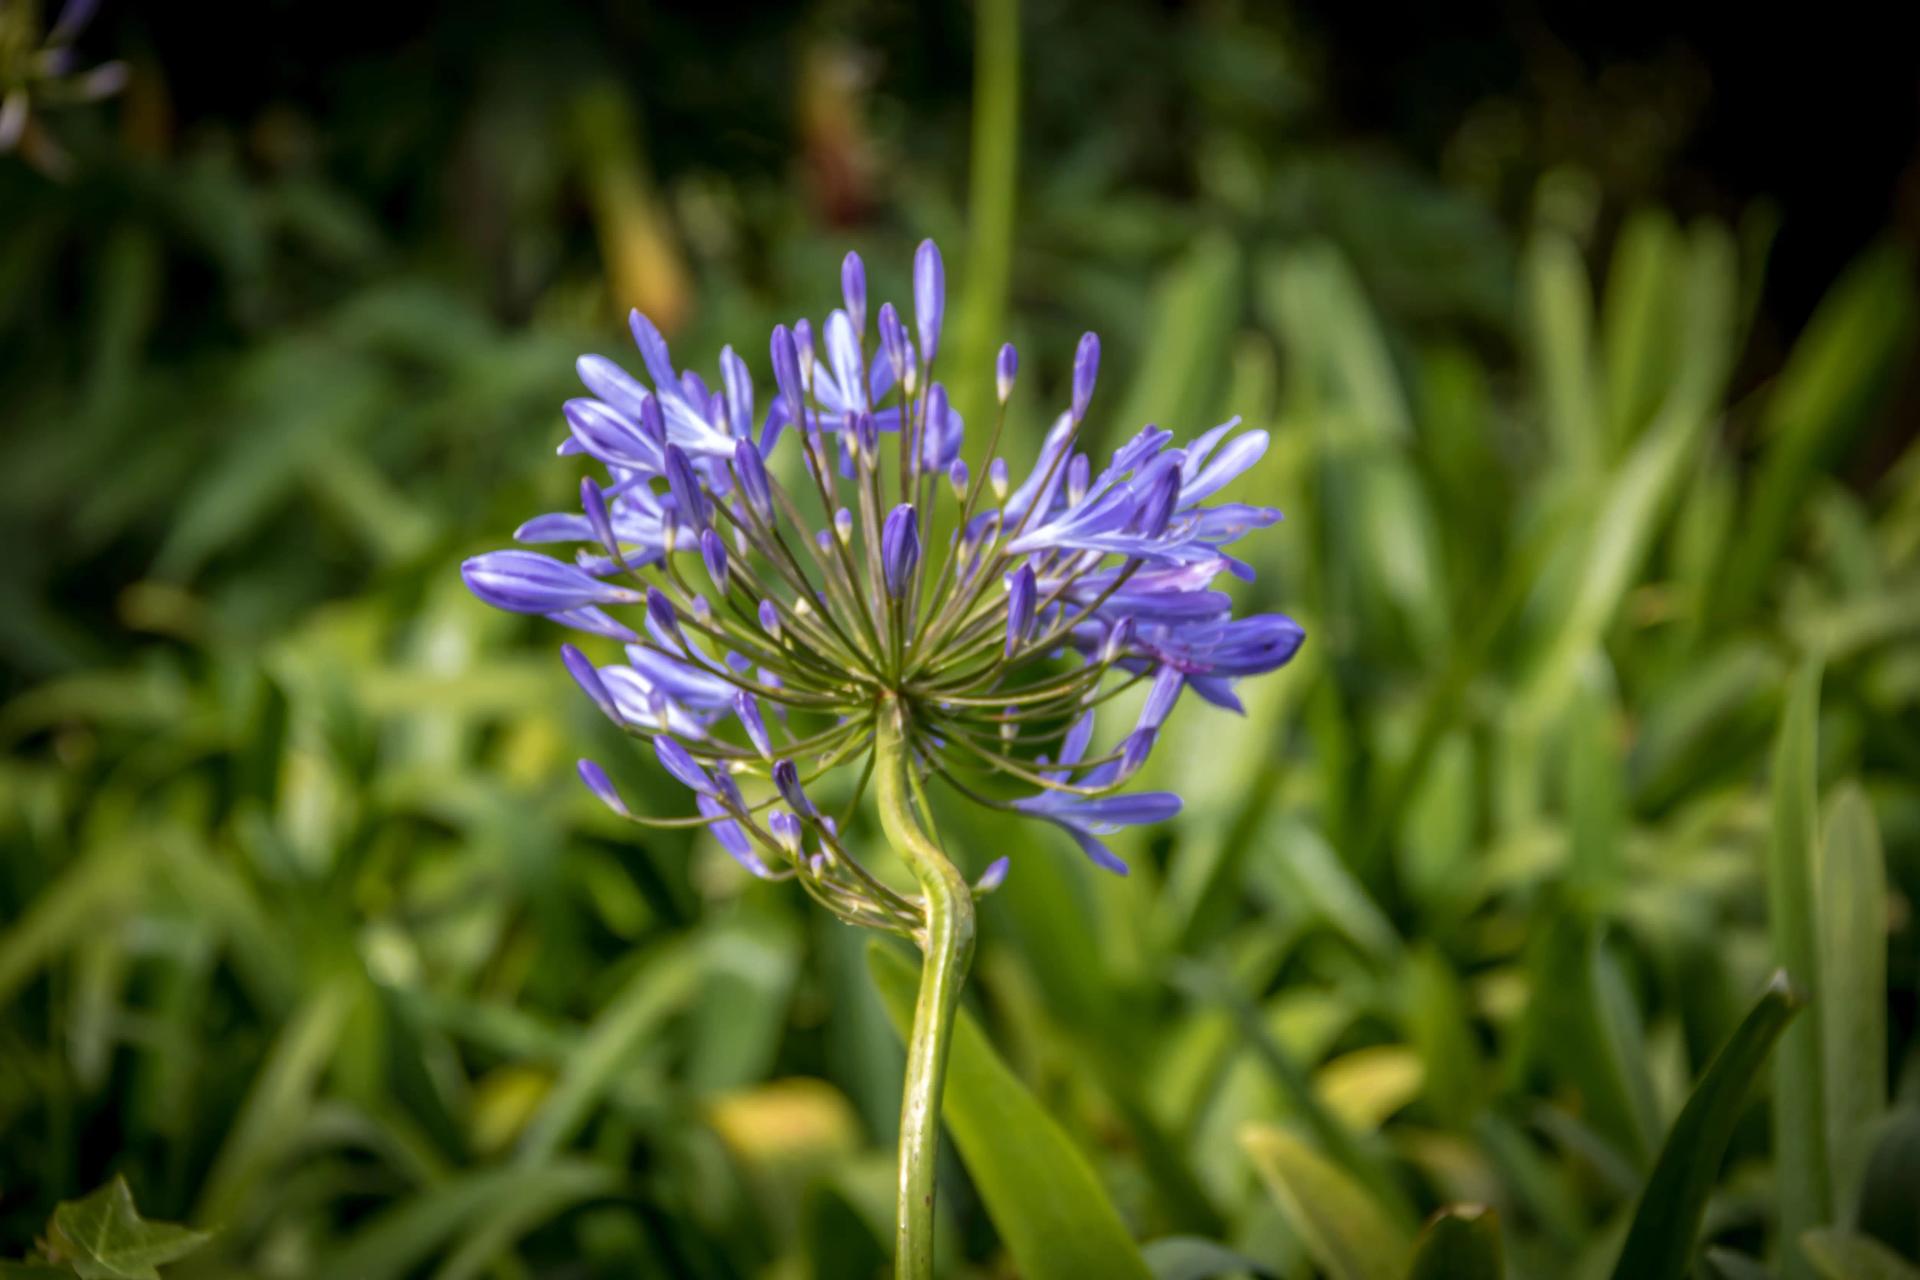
[[946, 946]]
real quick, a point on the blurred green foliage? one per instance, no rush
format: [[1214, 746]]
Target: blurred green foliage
[[1609, 710]]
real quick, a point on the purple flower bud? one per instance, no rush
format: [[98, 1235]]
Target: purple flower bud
[[1079, 474], [528, 582], [769, 619], [747, 709], [739, 384], [894, 341], [957, 476], [1021, 593], [713, 549], [866, 431], [929, 297], [675, 760], [663, 619], [587, 676], [602, 786], [899, 546], [992, 877], [997, 477], [853, 287], [843, 524], [786, 777], [653, 423], [1086, 367], [751, 470], [935, 445], [729, 789], [786, 370], [785, 829], [684, 484], [1004, 370], [803, 348], [594, 503]]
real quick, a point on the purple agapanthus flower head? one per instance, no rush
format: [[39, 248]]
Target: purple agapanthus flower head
[[780, 576]]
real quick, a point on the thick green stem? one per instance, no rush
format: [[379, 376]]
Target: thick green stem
[[946, 945]]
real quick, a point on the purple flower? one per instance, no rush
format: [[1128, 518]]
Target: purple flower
[[1004, 369], [688, 498], [527, 582], [929, 297], [602, 787], [1021, 595], [899, 547], [748, 710], [675, 760], [853, 287], [1086, 367], [713, 550]]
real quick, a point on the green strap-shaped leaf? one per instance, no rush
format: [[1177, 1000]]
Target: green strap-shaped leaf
[[1461, 1242], [1890, 1190], [1846, 1255], [1851, 891], [660, 986], [1042, 1195], [1721, 1263], [1349, 1235], [468, 1207], [1667, 1218], [280, 1100], [1559, 331], [1805, 1187], [1192, 1258], [103, 1237]]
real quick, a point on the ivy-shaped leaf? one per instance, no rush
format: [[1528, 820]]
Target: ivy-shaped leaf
[[103, 1237]]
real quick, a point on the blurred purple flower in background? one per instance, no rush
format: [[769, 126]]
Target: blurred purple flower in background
[[39, 70]]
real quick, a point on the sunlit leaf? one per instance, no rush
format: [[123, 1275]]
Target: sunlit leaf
[[1345, 1230]]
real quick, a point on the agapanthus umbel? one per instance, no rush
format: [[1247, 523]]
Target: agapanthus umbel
[[768, 625]]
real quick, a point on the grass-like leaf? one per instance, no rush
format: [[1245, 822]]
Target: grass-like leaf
[[1852, 925], [1667, 1218], [1846, 1255], [1461, 1242], [1041, 1193], [1348, 1234], [1799, 1108]]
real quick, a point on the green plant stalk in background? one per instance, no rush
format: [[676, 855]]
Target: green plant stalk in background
[[946, 947], [991, 197]]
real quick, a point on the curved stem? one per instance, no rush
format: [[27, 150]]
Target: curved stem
[[946, 946]]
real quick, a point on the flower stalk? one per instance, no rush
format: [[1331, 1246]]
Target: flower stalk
[[946, 948]]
